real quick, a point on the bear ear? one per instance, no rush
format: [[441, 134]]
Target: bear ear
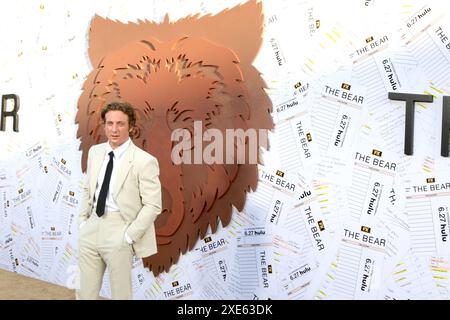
[[106, 35], [239, 28]]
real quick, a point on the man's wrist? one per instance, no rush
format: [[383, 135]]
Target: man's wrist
[[128, 239], [82, 224]]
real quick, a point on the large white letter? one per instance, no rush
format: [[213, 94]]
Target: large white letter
[[216, 146], [181, 152]]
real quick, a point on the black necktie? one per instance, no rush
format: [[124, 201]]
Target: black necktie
[[105, 186]]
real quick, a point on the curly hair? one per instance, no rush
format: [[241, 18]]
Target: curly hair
[[121, 106]]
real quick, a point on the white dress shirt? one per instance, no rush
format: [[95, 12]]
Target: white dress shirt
[[110, 204]]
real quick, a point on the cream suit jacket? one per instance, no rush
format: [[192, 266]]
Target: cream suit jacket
[[137, 192]]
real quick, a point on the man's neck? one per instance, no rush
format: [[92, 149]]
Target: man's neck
[[114, 147]]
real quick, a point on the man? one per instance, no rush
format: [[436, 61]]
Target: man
[[123, 199]]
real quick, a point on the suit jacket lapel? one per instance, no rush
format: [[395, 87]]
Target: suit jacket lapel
[[125, 166], [96, 165]]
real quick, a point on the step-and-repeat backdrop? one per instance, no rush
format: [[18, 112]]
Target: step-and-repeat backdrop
[[339, 212]]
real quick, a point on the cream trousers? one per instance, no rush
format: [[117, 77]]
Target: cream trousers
[[101, 245]]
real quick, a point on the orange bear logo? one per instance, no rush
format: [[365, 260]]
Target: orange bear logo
[[176, 73]]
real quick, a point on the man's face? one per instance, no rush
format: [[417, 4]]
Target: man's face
[[117, 129]]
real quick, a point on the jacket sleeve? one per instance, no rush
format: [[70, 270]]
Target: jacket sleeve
[[150, 193]]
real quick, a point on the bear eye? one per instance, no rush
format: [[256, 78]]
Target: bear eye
[[184, 115], [175, 115]]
